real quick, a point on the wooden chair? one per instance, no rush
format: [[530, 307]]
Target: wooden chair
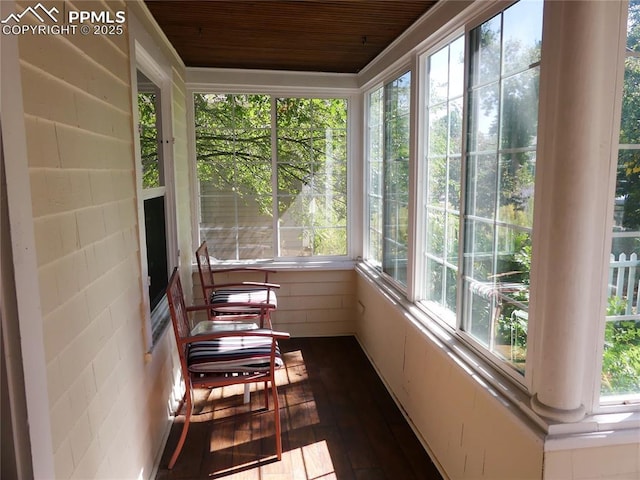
[[226, 297], [226, 355]]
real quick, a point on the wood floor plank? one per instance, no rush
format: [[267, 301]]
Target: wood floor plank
[[338, 422]]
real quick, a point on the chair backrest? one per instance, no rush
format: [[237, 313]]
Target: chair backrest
[[179, 316], [204, 268]]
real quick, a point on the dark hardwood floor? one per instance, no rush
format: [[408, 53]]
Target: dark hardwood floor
[[338, 422]]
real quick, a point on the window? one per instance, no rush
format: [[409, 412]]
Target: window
[[272, 174], [621, 358], [375, 157], [443, 153], [388, 182], [155, 181], [476, 268]]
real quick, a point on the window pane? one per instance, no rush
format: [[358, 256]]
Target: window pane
[[438, 134], [437, 181], [236, 174], [439, 76], [233, 148], [519, 119], [311, 176], [517, 175], [149, 129], [483, 129], [456, 68], [486, 52], [482, 182], [500, 180], [522, 36], [375, 155], [453, 184], [630, 128], [621, 357], [455, 126], [436, 228], [444, 137], [434, 276], [396, 178]]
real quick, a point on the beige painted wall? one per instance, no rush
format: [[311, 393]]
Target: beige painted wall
[[611, 462], [108, 400], [470, 431], [310, 302]]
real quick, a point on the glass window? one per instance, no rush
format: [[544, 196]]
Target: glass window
[[388, 177], [254, 205], [312, 176], [621, 358], [375, 176], [443, 148], [396, 178], [500, 171], [149, 128], [159, 216]]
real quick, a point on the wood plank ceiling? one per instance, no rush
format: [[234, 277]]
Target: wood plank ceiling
[[340, 36]]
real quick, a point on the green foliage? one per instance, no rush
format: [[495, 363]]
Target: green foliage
[[628, 185], [621, 359], [234, 161], [149, 139]]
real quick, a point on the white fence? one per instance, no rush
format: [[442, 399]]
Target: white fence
[[624, 282]]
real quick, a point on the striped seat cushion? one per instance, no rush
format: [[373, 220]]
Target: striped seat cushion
[[232, 354], [243, 296]]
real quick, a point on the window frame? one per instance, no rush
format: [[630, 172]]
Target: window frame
[[466, 24], [615, 402], [155, 322], [423, 57], [396, 74], [476, 358]]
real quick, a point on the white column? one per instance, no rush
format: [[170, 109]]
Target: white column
[[580, 79]]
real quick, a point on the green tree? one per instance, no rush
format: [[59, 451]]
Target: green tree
[[628, 186], [149, 139], [234, 157], [621, 358]]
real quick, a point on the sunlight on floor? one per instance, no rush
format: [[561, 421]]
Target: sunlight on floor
[[311, 462]]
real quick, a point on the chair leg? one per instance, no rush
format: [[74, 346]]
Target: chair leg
[[276, 412], [185, 428], [266, 395]]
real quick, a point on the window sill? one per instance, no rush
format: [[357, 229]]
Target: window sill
[[287, 265], [595, 430]]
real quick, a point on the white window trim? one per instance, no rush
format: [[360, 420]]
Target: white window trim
[[289, 85], [159, 73], [408, 65], [603, 416]]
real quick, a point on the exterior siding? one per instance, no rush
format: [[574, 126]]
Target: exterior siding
[[310, 302], [78, 121]]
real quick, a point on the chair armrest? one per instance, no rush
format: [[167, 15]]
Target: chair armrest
[[232, 270], [219, 286], [261, 332], [225, 306], [197, 308], [242, 269]]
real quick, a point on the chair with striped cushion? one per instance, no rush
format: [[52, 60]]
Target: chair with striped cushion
[[226, 296], [224, 355]]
